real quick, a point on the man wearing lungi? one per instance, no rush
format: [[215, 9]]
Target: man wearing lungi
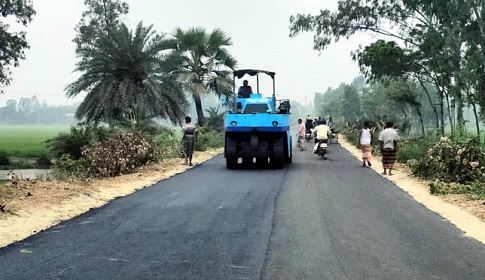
[[388, 139], [366, 136], [188, 140]]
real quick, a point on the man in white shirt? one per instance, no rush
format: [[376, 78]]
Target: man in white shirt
[[388, 139], [321, 131], [366, 136]]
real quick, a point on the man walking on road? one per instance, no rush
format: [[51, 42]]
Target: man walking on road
[[388, 139], [366, 136], [301, 135]]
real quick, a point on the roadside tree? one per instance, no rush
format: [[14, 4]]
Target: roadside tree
[[100, 17], [13, 44], [206, 64], [127, 75]]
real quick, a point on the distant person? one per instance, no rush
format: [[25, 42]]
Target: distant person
[[188, 140], [309, 125], [331, 124], [301, 134], [365, 137], [245, 90], [388, 139]]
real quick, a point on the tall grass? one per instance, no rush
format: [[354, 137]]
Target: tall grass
[[27, 141]]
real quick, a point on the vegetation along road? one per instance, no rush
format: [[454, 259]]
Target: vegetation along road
[[314, 219]]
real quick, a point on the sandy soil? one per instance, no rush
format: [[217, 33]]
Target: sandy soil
[[33, 206]]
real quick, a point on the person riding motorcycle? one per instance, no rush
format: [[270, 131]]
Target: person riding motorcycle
[[309, 125], [321, 132]]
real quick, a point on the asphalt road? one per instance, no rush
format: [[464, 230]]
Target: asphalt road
[[314, 219]]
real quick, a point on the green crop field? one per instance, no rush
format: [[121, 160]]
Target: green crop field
[[27, 141]]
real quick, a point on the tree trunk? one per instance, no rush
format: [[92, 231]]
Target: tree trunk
[[431, 103], [450, 115], [200, 112], [442, 112], [480, 15], [477, 120], [460, 119], [423, 131], [456, 90]]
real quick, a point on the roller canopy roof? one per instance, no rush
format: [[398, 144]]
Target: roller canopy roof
[[251, 72]]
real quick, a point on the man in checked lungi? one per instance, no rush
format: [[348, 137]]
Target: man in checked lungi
[[388, 139], [188, 140]]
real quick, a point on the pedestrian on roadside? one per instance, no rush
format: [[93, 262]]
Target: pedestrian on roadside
[[188, 140], [366, 136], [301, 135], [388, 139]]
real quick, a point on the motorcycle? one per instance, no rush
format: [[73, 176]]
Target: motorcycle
[[308, 135], [322, 148]]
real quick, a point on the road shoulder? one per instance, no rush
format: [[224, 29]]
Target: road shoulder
[[450, 208]]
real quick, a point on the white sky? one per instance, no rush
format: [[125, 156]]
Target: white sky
[[259, 30]]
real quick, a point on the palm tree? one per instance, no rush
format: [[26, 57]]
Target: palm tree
[[206, 64], [129, 77]]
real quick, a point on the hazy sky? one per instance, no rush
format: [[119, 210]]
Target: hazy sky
[[259, 30]]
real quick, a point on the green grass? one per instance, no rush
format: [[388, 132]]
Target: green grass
[[27, 141]]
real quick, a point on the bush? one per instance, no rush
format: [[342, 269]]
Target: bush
[[120, 154], [208, 138], [73, 142], [107, 153], [43, 161], [166, 144], [416, 149], [215, 120], [475, 190], [4, 159], [67, 167], [448, 161]]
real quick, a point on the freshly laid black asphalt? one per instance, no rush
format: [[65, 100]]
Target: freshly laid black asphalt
[[314, 219]]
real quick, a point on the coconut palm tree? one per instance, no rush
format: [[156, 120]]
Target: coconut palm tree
[[129, 76], [206, 66]]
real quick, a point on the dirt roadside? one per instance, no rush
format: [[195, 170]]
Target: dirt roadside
[[468, 215], [33, 206]]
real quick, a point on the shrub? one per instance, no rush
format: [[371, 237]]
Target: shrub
[[352, 135], [415, 149], [4, 159], [166, 144], [73, 142], [120, 154], [475, 190], [215, 120], [43, 161], [66, 167], [208, 138], [448, 161]]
